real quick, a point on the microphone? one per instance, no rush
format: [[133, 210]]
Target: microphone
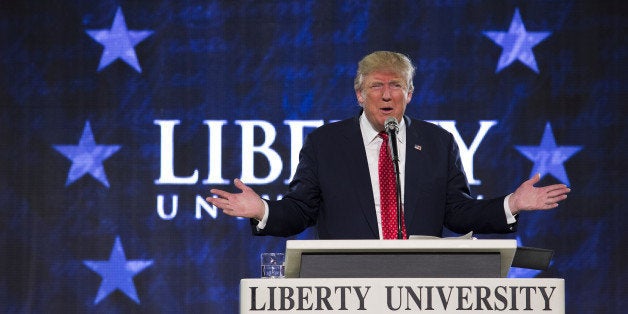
[[392, 127]]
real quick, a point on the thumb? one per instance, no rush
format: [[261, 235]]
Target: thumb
[[240, 185], [535, 179]]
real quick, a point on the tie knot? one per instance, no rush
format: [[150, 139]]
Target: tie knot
[[383, 135]]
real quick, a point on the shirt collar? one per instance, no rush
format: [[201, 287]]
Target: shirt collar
[[369, 134]]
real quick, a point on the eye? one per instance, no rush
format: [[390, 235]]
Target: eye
[[396, 85], [376, 86]]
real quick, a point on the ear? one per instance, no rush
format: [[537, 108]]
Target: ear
[[358, 95], [409, 98]]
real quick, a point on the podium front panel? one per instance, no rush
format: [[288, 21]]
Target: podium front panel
[[402, 295], [400, 265], [444, 258]]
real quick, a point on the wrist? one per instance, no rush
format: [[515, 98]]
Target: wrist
[[262, 213], [512, 201]]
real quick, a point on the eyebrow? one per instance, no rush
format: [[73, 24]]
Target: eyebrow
[[391, 81]]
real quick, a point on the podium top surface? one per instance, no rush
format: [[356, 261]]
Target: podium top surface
[[295, 248]]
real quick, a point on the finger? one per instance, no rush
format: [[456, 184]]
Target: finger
[[221, 193], [560, 192], [229, 212], [545, 204], [218, 202], [556, 199], [555, 187], [235, 212]]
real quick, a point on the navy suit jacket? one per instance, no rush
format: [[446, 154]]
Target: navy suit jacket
[[332, 189]]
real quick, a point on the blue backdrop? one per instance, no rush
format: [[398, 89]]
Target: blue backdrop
[[119, 116]]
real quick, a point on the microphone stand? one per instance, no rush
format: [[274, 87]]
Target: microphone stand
[[392, 134]]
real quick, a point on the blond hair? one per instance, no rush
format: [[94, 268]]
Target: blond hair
[[384, 61]]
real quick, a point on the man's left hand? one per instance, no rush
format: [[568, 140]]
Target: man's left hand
[[529, 197]]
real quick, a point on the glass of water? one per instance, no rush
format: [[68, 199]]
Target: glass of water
[[272, 265]]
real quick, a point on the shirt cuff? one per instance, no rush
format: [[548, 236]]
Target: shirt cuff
[[510, 218], [262, 223]]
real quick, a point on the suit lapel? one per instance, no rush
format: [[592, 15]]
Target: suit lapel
[[358, 167], [414, 164]]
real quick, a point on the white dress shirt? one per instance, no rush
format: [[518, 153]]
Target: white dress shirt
[[372, 145]]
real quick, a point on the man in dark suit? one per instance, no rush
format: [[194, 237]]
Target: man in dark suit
[[337, 183]]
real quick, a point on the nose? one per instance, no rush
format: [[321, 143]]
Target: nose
[[386, 93]]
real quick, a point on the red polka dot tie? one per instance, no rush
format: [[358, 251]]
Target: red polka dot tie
[[388, 192]]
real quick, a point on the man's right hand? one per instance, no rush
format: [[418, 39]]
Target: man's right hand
[[247, 204]]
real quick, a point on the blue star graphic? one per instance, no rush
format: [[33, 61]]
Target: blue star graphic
[[517, 44], [117, 273], [87, 157], [119, 42], [549, 158]]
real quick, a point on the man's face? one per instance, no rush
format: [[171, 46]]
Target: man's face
[[384, 94]]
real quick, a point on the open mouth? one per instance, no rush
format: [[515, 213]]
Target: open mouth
[[386, 110]]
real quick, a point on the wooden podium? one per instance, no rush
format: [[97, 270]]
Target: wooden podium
[[394, 276]]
